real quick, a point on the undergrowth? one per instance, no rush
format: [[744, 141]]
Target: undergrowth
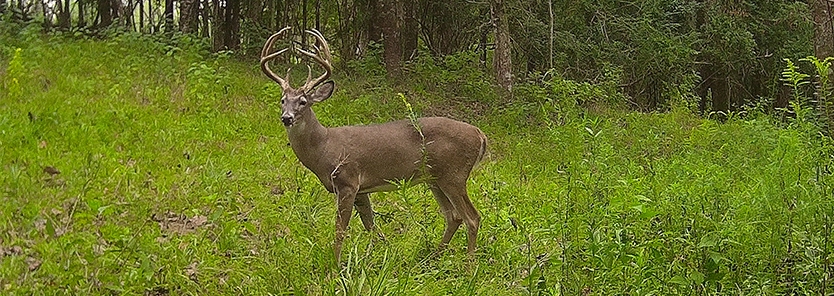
[[141, 167]]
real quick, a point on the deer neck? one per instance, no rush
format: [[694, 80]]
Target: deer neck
[[307, 138]]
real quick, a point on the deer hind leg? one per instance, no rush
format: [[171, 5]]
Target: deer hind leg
[[453, 219], [455, 190], [363, 206]]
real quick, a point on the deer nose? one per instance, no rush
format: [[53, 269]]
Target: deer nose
[[287, 120]]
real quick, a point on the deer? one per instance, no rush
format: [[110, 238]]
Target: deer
[[355, 161]]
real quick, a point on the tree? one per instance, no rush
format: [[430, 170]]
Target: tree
[[392, 46], [105, 14], [823, 28], [410, 29], [502, 61], [64, 15], [169, 16]]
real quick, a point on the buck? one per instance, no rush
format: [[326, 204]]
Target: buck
[[354, 161]]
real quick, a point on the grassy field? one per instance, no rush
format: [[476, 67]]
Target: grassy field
[[129, 166]]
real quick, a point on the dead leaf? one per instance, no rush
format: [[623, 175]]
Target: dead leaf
[[40, 224], [10, 251], [191, 271], [199, 220], [56, 211], [176, 223], [223, 278], [157, 291], [33, 263], [42, 144], [276, 190], [52, 171]]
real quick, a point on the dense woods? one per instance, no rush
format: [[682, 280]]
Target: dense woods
[[725, 53]]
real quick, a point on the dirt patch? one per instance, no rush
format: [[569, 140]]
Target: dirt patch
[[171, 222]]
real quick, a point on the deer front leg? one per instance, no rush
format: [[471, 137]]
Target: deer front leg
[[344, 208]]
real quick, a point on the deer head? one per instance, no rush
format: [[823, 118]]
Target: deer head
[[296, 102]]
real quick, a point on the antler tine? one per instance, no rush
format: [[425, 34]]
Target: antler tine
[[266, 57], [322, 50]]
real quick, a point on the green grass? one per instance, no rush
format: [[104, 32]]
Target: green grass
[[176, 178]]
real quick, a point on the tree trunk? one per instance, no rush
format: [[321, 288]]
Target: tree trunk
[[502, 61], [218, 30], [141, 16], [823, 28], [47, 17], [104, 13], [374, 20], [206, 12], [303, 22], [392, 46], [3, 5], [64, 15], [232, 36], [151, 25], [81, 21], [318, 15], [189, 10], [409, 29], [169, 16]]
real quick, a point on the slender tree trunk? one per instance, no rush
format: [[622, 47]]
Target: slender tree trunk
[[409, 29], [392, 45], [169, 16], [81, 21], [550, 55], [47, 16], [3, 5], [318, 15], [142, 16], [502, 61], [128, 15], [151, 25], [64, 15], [374, 20], [189, 10], [232, 24], [206, 12], [303, 21], [218, 30]]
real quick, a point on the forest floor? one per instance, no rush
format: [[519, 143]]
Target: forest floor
[[138, 167]]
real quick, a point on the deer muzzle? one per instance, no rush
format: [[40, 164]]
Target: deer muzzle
[[287, 119]]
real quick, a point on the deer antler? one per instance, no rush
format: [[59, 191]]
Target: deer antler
[[321, 56], [266, 57]]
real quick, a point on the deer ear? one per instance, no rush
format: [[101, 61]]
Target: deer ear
[[324, 91]]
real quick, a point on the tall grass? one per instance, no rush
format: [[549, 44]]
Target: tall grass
[[175, 177]]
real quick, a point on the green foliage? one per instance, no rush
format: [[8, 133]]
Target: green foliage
[[171, 185], [728, 52], [14, 74]]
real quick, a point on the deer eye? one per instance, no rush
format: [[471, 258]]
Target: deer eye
[[282, 101], [303, 102]]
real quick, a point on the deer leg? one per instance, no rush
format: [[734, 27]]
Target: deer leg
[[363, 206], [456, 192], [453, 220], [344, 209]]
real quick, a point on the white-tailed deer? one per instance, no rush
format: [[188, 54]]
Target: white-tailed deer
[[353, 161]]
